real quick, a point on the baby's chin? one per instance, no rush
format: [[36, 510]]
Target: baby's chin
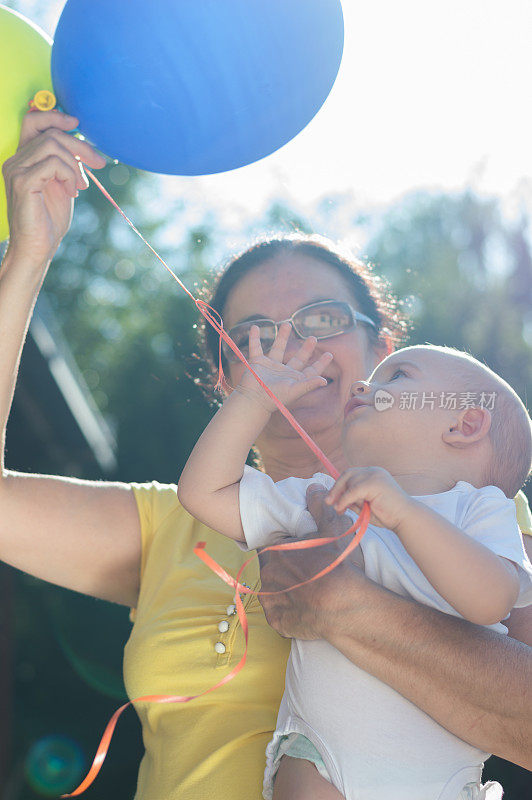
[[365, 448], [357, 444]]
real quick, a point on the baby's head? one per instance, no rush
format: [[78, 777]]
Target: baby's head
[[439, 412]]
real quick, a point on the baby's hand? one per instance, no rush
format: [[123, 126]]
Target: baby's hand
[[288, 381], [388, 502]]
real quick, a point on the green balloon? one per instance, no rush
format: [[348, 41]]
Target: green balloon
[[25, 53]]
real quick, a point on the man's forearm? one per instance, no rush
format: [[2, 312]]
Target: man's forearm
[[472, 681]]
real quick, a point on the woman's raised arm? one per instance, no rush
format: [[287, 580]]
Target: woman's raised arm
[[79, 534], [474, 682]]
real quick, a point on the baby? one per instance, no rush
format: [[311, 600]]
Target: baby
[[438, 444]]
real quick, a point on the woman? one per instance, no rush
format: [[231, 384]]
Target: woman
[[132, 544]]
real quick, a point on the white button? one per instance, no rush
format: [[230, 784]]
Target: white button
[[231, 609], [223, 626], [219, 647]]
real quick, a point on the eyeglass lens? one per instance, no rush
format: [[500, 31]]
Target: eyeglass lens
[[320, 320]]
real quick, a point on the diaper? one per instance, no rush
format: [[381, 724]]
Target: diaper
[[294, 745]]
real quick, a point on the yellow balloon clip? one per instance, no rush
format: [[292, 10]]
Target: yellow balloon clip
[[44, 100]]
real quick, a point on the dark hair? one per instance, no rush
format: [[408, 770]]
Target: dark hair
[[371, 293]]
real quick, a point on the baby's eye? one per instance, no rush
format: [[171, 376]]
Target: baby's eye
[[396, 373]]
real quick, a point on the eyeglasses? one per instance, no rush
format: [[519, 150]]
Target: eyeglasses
[[323, 320]]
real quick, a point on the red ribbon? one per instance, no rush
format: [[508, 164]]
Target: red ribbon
[[213, 318]]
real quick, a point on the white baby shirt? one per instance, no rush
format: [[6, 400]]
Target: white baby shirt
[[375, 743]]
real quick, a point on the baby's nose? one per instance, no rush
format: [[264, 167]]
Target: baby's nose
[[359, 388]]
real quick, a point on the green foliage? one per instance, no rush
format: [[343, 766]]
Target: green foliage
[[465, 275], [130, 326]]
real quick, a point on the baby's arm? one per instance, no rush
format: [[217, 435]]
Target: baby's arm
[[209, 485], [479, 584]]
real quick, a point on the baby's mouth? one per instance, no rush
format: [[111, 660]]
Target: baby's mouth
[[354, 403]]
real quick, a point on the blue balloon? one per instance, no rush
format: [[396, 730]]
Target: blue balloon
[[195, 87]]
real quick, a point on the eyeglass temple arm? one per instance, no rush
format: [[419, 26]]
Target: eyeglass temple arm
[[363, 318]]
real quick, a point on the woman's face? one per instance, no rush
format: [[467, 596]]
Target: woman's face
[[275, 290]]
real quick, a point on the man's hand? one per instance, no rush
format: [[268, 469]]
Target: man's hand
[[309, 612]]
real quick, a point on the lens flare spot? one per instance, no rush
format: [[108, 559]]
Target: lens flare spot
[[53, 765]]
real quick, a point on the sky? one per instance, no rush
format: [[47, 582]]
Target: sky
[[430, 94]]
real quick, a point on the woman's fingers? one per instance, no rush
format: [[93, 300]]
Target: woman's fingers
[[79, 149], [36, 122], [57, 142], [43, 143], [35, 178], [55, 124], [48, 145], [41, 179]]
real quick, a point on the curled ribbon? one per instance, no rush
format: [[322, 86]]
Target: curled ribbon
[[214, 318], [361, 524]]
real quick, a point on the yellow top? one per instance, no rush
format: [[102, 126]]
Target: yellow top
[[212, 747], [524, 518]]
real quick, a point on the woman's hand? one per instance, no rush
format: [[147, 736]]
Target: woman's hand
[[390, 504], [288, 381], [42, 179], [306, 613]]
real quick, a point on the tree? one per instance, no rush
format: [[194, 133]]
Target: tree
[[464, 274]]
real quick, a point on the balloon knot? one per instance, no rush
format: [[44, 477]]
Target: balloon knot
[[43, 100]]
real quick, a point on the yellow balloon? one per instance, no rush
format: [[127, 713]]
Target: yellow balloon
[[25, 52]]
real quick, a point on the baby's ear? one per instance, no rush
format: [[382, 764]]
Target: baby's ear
[[470, 426]]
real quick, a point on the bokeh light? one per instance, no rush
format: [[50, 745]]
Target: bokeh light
[[54, 765]]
